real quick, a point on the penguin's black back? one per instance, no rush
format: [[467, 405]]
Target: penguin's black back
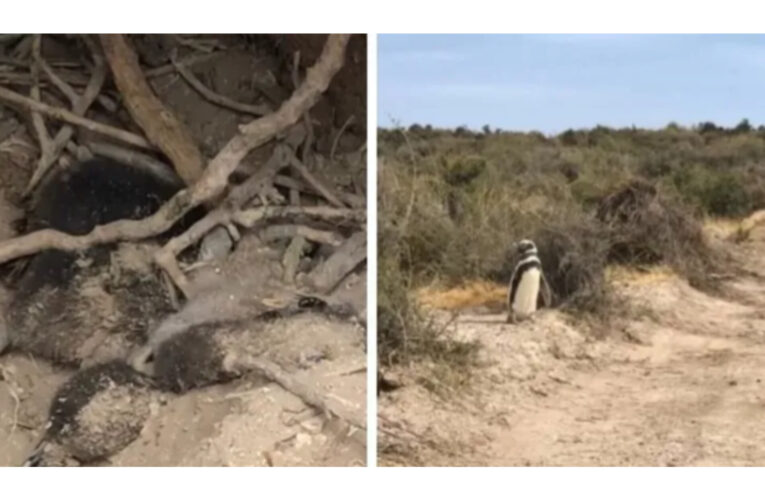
[[49, 315], [79, 390], [77, 199], [97, 191]]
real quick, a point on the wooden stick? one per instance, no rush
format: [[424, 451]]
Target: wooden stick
[[215, 177], [187, 62], [38, 122], [327, 275], [220, 100], [338, 136], [159, 123], [276, 374], [67, 116], [80, 105], [315, 182], [281, 231]]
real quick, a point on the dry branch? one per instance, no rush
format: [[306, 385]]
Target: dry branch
[[214, 179], [220, 100], [291, 258], [327, 275], [168, 69], [80, 105], [160, 125], [38, 122], [311, 179], [63, 115], [225, 215], [276, 374], [281, 231]]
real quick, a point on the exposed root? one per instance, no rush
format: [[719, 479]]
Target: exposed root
[[210, 185], [160, 124]]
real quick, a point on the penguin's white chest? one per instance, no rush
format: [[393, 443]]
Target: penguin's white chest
[[525, 300]]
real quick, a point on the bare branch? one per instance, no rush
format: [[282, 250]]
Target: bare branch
[[315, 182], [327, 275], [215, 177], [220, 100], [80, 105], [38, 122], [160, 125], [63, 115]]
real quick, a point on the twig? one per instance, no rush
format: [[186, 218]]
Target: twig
[[220, 100], [338, 136], [307, 125], [80, 105], [328, 274], [160, 125], [276, 374], [262, 180], [38, 122], [214, 179], [25, 79], [206, 46], [281, 231], [187, 62], [57, 81], [314, 182], [349, 199], [61, 114], [291, 258], [166, 256], [412, 193]]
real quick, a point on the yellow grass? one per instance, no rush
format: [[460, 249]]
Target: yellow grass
[[626, 274], [738, 229], [470, 294], [494, 295]]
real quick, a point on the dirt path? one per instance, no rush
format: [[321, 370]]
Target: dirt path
[[682, 384]]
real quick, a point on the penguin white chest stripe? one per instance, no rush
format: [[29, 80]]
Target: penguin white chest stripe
[[524, 286], [528, 290]]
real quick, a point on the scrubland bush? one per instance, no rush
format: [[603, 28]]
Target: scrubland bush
[[452, 203]]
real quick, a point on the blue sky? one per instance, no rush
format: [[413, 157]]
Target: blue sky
[[554, 82]]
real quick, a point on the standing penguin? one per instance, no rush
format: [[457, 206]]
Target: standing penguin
[[526, 284]]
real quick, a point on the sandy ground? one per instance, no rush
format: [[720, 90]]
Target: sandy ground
[[244, 422], [682, 384]]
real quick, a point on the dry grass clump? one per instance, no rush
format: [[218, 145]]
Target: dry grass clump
[[404, 332], [474, 293], [574, 257], [646, 228]]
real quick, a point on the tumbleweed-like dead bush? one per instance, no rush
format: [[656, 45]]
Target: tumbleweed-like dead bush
[[645, 227]]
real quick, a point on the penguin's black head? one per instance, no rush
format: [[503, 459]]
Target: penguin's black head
[[526, 248]]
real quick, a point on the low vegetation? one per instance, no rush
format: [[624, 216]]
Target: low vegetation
[[452, 202]]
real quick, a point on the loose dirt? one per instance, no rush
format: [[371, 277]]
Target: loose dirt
[[680, 382], [245, 422]]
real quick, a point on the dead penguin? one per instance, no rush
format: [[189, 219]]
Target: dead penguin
[[66, 305], [95, 414], [216, 352]]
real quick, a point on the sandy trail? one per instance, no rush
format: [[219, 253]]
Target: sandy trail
[[682, 384]]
